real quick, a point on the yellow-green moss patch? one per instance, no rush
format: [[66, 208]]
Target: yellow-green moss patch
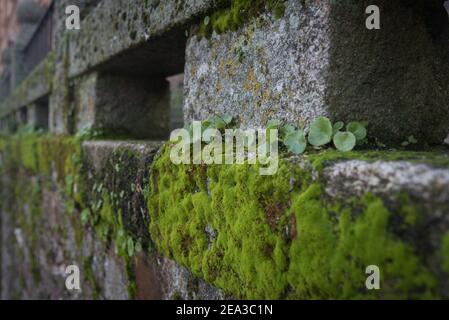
[[280, 236]]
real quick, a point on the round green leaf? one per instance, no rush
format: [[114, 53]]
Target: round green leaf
[[296, 142], [217, 122], [358, 129], [412, 140], [206, 124], [320, 132], [338, 126], [206, 20], [227, 118], [344, 141], [286, 130]]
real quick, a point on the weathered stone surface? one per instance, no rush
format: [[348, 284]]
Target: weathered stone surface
[[354, 178], [268, 69], [176, 101], [61, 100], [124, 164], [160, 278], [319, 59], [91, 204], [42, 230], [38, 84], [115, 26], [394, 77]]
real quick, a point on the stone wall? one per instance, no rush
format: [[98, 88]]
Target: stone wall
[[18, 23], [319, 59], [8, 25], [140, 227], [86, 177]]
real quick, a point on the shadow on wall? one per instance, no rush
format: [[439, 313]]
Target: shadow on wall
[[413, 41]]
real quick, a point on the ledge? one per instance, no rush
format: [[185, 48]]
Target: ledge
[[34, 86], [155, 28], [307, 232]]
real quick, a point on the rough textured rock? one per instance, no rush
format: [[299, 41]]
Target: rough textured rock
[[393, 77], [423, 182], [42, 229], [268, 69], [319, 59], [90, 204], [136, 29], [38, 84], [217, 232]]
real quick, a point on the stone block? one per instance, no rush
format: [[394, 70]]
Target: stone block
[[152, 33], [320, 59]]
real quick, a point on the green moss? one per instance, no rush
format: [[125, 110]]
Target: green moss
[[253, 236], [176, 296], [238, 13], [409, 211], [89, 277], [56, 162], [329, 257], [279, 237], [445, 252]]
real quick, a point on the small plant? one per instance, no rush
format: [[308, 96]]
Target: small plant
[[410, 140], [344, 141], [321, 133], [295, 140]]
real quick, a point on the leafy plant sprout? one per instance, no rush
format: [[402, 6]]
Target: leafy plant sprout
[[295, 140]]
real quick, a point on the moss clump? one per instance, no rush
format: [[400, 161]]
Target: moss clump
[[238, 13], [445, 252], [89, 277], [279, 236], [253, 236], [44, 161]]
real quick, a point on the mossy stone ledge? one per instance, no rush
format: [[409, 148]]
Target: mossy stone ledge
[[299, 234], [307, 232]]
